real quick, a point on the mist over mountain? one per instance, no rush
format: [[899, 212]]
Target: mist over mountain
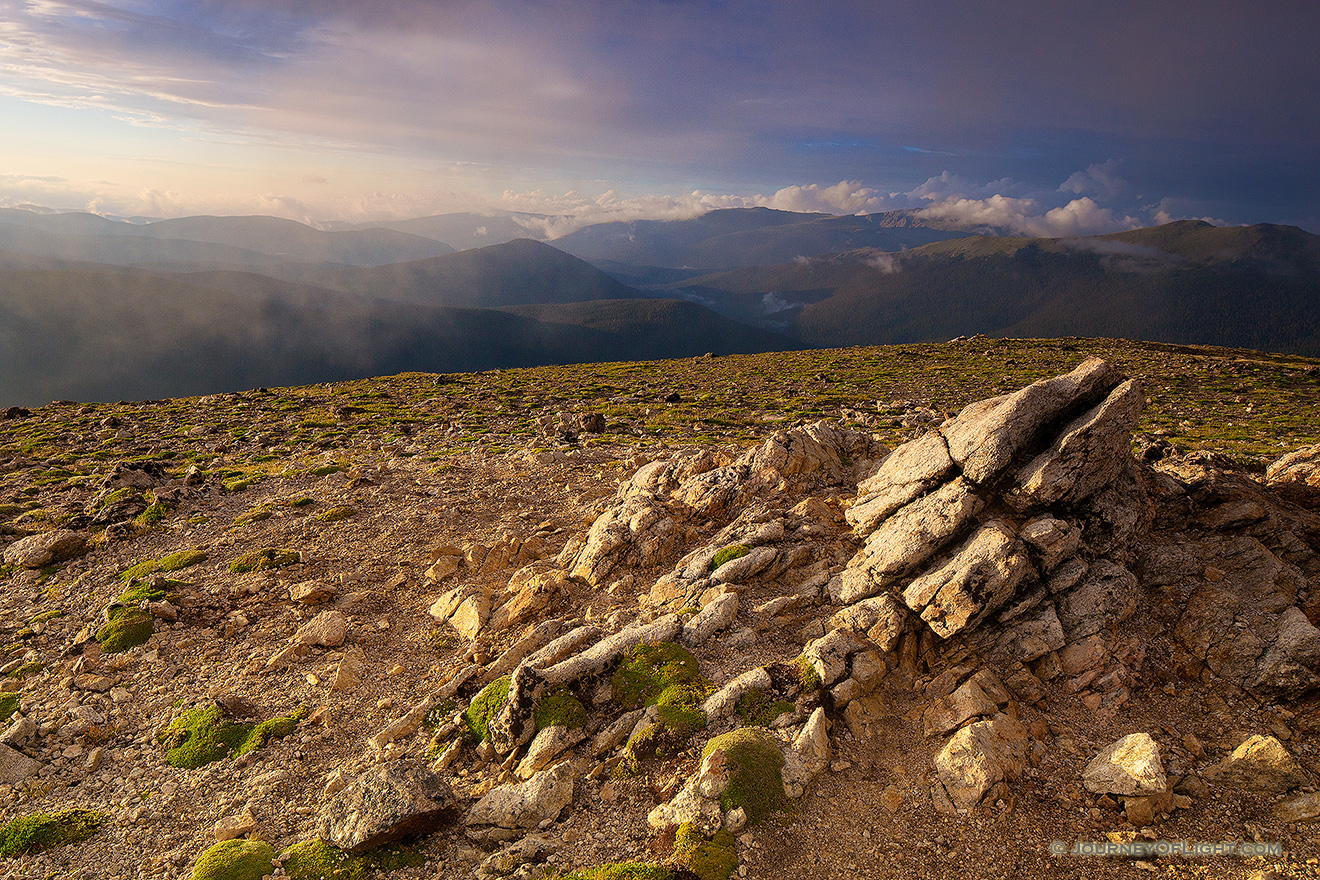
[[463, 230], [92, 308], [1188, 281], [748, 237], [88, 237]]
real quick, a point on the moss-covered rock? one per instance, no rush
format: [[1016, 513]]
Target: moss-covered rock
[[484, 706], [127, 627], [8, 705], [39, 831], [755, 762], [238, 859], [267, 557], [317, 860], [667, 676], [728, 554], [559, 708], [335, 514], [173, 562], [713, 859], [202, 735]]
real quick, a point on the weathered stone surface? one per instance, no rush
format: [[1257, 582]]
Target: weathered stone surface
[[910, 470], [697, 802], [721, 703], [327, 629], [16, 766], [471, 615], [1025, 640], [809, 755], [402, 726], [385, 804], [48, 548], [716, 616], [829, 655], [548, 744], [738, 570], [1297, 474], [985, 436], [1299, 808], [1106, 596], [980, 755], [594, 659], [905, 540], [976, 580], [231, 827], [1088, 454], [949, 713], [535, 803], [1128, 766], [530, 591], [1259, 763], [1051, 540], [881, 618]]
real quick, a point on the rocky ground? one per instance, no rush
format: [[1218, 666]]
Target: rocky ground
[[938, 644]]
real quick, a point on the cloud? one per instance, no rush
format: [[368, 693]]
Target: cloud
[[315, 178], [1100, 180], [844, 197], [1027, 217]]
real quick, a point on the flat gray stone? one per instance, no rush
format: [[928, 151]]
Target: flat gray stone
[[386, 804]]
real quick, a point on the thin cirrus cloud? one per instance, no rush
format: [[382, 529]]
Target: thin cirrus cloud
[[1042, 115]]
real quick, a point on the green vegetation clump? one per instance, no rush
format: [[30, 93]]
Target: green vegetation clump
[[40, 831], [201, 735], [808, 677], [335, 514], [301, 501], [756, 709], [127, 627], [154, 513], [238, 859], [755, 766], [713, 859], [668, 677], [484, 706], [559, 708], [317, 860], [622, 871], [256, 514], [325, 470], [267, 557], [9, 705], [173, 562], [728, 554]]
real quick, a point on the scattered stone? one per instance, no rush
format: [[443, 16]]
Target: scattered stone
[[236, 826], [1260, 763], [327, 629], [535, 803], [980, 755], [311, 592], [386, 804], [16, 766], [1128, 766]]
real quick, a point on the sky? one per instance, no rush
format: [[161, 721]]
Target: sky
[[1046, 118]]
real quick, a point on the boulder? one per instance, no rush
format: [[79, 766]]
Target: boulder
[[533, 804], [47, 548], [980, 755], [1088, 454], [16, 766], [909, 471], [1128, 766], [987, 435], [548, 744], [716, 616], [1106, 596], [1297, 475], [882, 619], [385, 804], [1259, 763]]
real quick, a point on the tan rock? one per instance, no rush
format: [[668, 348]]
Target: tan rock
[[231, 827], [48, 548], [327, 629], [980, 755], [1259, 763], [1128, 766], [311, 592]]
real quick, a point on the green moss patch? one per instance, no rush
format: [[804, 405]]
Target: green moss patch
[[174, 562], [755, 765], [559, 708], [267, 557], [728, 554], [39, 831], [9, 705], [203, 735], [758, 709], [335, 514], [318, 860], [238, 859], [127, 627], [484, 706], [666, 676], [713, 859]]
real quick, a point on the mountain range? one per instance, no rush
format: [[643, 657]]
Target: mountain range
[[92, 308]]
